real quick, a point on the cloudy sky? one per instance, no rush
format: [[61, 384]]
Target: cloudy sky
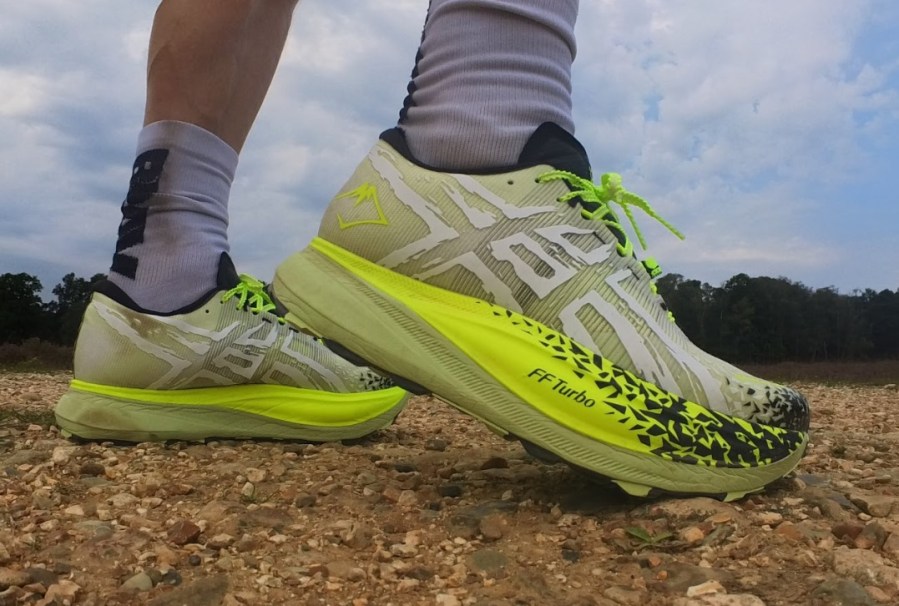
[[767, 131]]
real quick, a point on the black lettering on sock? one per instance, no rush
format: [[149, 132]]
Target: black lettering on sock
[[144, 183]]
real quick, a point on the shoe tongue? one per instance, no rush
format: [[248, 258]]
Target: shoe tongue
[[553, 145], [227, 277]]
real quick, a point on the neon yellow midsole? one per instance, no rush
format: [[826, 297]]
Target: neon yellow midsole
[[592, 401], [289, 404]]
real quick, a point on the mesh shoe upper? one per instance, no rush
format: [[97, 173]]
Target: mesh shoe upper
[[515, 238], [230, 337]]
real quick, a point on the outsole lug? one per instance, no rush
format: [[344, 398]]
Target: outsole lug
[[635, 490]]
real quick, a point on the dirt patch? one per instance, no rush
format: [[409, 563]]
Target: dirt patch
[[434, 510]]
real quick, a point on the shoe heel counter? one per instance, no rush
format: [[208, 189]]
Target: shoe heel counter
[[367, 217], [102, 355]]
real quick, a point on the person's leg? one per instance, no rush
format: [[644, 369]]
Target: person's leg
[[487, 73], [211, 62], [472, 254], [210, 65], [176, 345]]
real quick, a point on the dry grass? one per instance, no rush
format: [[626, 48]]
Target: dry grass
[[874, 372], [35, 355]]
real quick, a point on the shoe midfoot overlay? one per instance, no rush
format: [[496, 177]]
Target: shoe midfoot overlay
[[524, 379]]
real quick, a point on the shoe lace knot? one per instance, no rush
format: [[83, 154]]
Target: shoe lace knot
[[596, 201], [251, 296]]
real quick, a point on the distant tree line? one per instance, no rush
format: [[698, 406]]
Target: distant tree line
[[761, 320], [764, 320], [24, 315]]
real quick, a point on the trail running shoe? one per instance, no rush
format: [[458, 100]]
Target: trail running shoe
[[226, 367], [515, 295]]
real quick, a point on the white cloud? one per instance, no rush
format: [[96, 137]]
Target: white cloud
[[726, 114], [745, 124]]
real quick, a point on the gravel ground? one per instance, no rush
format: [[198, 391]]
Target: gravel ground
[[434, 510]]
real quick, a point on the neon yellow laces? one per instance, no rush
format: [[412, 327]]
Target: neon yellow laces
[[595, 201], [251, 295], [595, 205]]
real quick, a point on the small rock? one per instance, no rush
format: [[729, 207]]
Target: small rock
[[248, 490], [769, 518], [451, 491], [843, 591], [63, 592], [74, 511], [183, 532], [447, 599], [407, 498], [256, 476], [269, 518], [344, 569], [154, 575], [707, 588], [878, 594], [495, 463], [123, 500], [864, 566], [437, 444], [365, 478], [871, 537], [62, 454], [404, 467], [681, 576], [165, 556], [878, 506], [41, 499], [692, 534], [403, 550], [35, 588], [847, 530], [391, 494], [207, 591], [409, 481], [693, 508], [488, 561], [493, 527], [304, 499], [220, 541], [724, 599], [9, 577], [625, 596], [139, 582], [891, 544], [43, 576], [421, 573], [357, 536], [92, 468], [171, 577], [10, 596]]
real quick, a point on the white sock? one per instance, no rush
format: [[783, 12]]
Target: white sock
[[175, 217], [487, 74]]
